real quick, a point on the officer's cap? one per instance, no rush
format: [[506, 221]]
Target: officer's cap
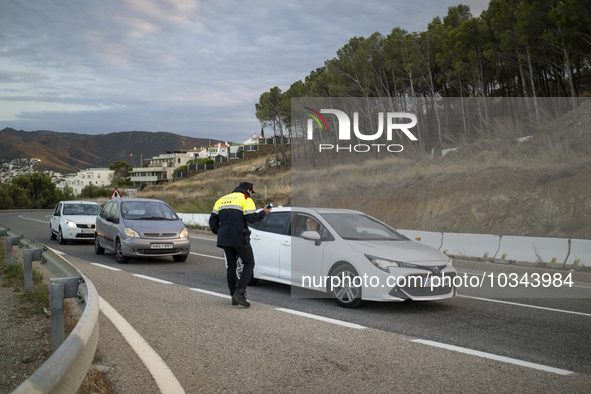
[[247, 186]]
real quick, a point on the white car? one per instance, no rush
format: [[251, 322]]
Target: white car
[[73, 220], [350, 257]]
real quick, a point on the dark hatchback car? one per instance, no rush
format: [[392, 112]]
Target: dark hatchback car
[[140, 227]]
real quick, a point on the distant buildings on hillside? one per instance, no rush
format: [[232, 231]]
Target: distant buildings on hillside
[[18, 167], [159, 170]]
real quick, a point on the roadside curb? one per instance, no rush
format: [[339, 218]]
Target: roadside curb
[[495, 267]]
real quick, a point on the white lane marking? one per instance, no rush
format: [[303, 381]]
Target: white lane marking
[[527, 306], [106, 266], [322, 318], [206, 255], [165, 379], [495, 357], [206, 239], [35, 220], [211, 293], [154, 279]]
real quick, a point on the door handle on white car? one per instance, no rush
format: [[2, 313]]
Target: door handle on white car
[[286, 243], [256, 237]]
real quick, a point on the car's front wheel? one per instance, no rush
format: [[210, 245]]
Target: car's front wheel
[[239, 268], [97, 246], [60, 237], [341, 286], [119, 253], [52, 235]]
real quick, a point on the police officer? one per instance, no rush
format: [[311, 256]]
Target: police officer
[[228, 220]]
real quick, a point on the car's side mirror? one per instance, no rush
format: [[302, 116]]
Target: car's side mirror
[[112, 219], [312, 236]]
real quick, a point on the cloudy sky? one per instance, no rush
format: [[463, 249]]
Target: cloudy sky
[[190, 67]]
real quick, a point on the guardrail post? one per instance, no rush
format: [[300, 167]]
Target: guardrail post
[[10, 242], [3, 234], [28, 256], [28, 268], [60, 288], [56, 310]]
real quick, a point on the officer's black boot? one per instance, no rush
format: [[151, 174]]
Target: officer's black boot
[[240, 297], [234, 302]]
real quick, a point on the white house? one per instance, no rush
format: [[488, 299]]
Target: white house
[[219, 149], [254, 140], [160, 169], [197, 153], [91, 176]]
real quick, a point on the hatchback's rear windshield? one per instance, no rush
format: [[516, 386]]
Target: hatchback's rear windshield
[[352, 226], [140, 210]]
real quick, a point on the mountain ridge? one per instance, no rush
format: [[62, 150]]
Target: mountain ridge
[[71, 152]]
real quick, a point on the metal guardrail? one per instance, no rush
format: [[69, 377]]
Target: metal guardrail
[[65, 370]]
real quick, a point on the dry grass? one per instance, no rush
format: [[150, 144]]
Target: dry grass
[[96, 382], [199, 193]]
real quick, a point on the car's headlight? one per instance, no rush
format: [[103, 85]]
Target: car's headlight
[[184, 233], [70, 223], [448, 263], [385, 264], [131, 233]]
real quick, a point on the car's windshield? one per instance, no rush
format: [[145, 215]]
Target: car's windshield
[[352, 226], [140, 210], [82, 209]]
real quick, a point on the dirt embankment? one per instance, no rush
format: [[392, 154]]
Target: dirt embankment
[[545, 202]]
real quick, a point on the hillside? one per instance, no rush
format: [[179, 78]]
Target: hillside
[[538, 187], [70, 152]]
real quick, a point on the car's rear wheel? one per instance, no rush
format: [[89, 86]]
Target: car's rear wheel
[[60, 238], [97, 246], [179, 258], [52, 235], [119, 253], [346, 294], [239, 268]]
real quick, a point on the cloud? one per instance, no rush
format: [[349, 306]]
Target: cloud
[[188, 67]]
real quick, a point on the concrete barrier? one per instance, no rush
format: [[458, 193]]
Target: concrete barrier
[[473, 245], [195, 219], [580, 253], [533, 250], [522, 249], [430, 238]]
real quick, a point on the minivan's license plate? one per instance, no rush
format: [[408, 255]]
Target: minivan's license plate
[[161, 246]]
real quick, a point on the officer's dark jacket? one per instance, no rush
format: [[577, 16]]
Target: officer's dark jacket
[[229, 216]]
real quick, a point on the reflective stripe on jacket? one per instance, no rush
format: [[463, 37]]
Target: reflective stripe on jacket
[[229, 216]]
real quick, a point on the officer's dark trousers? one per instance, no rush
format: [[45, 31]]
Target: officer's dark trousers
[[232, 254]]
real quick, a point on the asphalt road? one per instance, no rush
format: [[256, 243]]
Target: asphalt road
[[539, 330]]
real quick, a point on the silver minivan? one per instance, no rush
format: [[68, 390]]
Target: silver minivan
[[140, 227]]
